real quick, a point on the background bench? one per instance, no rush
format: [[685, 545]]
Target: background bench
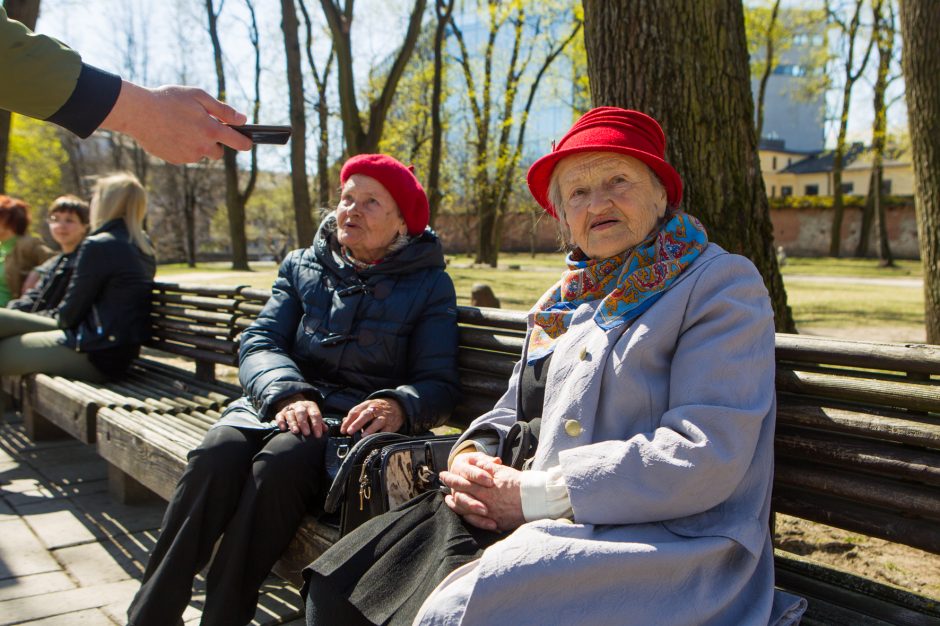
[[857, 446]]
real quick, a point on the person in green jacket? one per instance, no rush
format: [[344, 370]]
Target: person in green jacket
[[42, 78]]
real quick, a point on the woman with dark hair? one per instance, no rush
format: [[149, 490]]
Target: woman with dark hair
[[19, 252], [99, 323], [68, 225]]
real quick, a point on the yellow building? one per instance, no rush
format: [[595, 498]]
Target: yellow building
[[794, 173]]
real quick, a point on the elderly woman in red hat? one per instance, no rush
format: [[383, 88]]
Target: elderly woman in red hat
[[362, 325], [650, 366]]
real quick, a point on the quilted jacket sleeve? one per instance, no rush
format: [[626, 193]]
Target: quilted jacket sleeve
[[265, 367]]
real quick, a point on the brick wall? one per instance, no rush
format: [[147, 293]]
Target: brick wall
[[801, 232]]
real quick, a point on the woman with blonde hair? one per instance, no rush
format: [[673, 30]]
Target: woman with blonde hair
[[97, 327]]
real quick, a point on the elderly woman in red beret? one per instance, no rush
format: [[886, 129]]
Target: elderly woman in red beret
[[650, 366], [361, 325]]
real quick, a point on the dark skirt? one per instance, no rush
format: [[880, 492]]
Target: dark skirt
[[386, 568]]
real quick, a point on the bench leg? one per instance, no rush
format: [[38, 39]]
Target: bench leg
[[125, 489], [37, 427]]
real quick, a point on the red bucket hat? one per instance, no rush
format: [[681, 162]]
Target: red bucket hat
[[608, 129], [400, 181]]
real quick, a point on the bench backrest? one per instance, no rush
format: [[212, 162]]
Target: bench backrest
[[858, 434]]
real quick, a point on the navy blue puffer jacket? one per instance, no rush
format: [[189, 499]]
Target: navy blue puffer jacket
[[339, 336]]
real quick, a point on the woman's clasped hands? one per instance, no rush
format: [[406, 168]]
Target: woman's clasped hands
[[303, 416], [486, 493]]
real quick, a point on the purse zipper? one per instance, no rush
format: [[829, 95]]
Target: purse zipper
[[365, 485]]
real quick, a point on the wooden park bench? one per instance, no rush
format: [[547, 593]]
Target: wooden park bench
[[857, 445]]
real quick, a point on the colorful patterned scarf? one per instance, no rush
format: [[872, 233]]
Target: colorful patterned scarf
[[627, 284]]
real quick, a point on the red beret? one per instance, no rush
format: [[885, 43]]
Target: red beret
[[400, 181], [609, 129]]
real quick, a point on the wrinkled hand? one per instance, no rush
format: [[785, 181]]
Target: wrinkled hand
[[300, 415], [486, 493], [372, 416], [177, 124]]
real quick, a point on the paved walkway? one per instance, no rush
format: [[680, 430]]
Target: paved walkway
[[69, 555]]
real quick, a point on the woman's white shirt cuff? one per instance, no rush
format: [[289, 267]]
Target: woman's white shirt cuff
[[544, 495]]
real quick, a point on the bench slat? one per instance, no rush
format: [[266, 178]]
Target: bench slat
[[920, 358], [834, 588], [866, 455], [160, 343], [886, 425], [848, 515], [912, 500], [906, 395]]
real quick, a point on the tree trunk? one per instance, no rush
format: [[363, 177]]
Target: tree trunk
[[442, 10], [27, 12], [635, 50], [838, 200], [850, 32], [364, 139], [768, 69], [323, 114], [920, 23], [298, 146], [868, 214], [884, 32], [236, 212]]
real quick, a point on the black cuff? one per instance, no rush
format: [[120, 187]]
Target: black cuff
[[91, 101]]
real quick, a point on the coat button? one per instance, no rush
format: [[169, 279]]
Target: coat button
[[583, 355], [573, 427]]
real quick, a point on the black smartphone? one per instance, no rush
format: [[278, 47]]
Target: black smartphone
[[265, 134]]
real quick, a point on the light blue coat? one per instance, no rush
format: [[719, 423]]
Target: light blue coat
[[669, 478]]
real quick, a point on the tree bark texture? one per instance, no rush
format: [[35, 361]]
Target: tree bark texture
[[686, 65], [920, 23], [27, 12], [298, 121]]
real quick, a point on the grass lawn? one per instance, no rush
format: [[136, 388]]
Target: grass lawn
[[852, 305], [856, 268], [837, 306]]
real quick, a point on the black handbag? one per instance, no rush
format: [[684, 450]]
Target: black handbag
[[382, 471], [338, 447]]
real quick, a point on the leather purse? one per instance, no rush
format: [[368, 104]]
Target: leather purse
[[383, 471], [338, 446]]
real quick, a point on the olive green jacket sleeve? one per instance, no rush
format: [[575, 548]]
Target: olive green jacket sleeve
[[43, 78]]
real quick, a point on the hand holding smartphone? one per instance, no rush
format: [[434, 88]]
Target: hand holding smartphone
[[265, 134]]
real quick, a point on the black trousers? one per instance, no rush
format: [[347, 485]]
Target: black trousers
[[252, 488]]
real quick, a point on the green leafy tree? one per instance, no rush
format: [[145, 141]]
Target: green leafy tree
[[535, 34], [27, 12], [363, 133], [35, 164], [270, 216], [773, 32]]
